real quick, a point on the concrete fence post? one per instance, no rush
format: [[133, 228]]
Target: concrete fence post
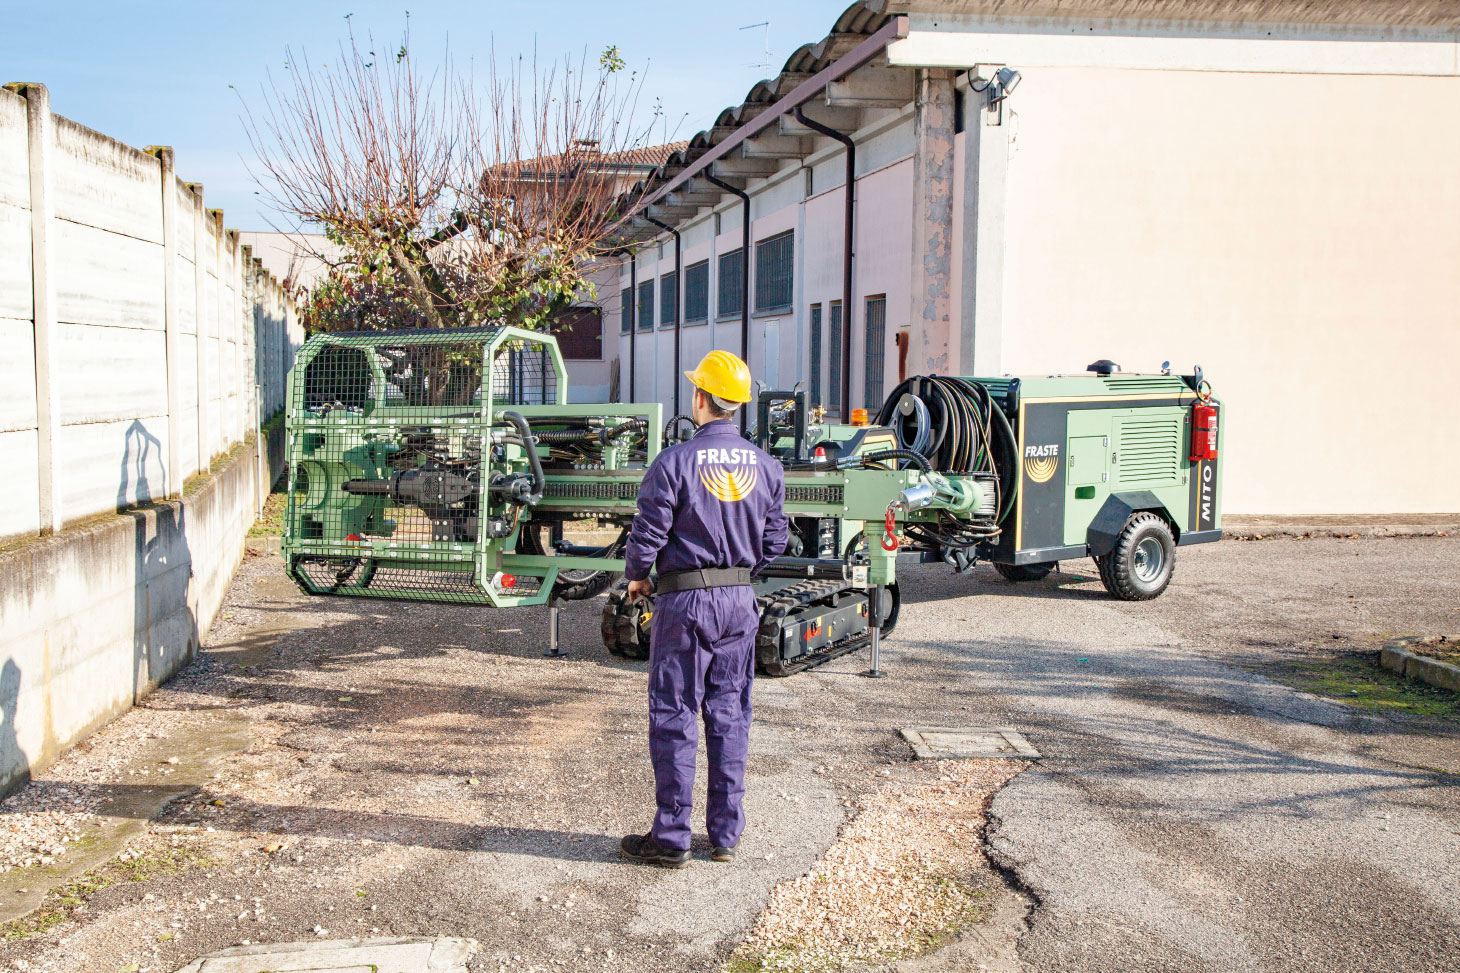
[[172, 318], [226, 382], [200, 278], [229, 311], [43, 288]]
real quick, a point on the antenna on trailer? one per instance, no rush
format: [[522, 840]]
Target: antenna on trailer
[[766, 64]]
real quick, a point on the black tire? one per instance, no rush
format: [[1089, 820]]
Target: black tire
[[572, 585], [1024, 572], [1144, 558], [624, 624], [890, 622]]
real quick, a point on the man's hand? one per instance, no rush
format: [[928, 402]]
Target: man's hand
[[640, 589]]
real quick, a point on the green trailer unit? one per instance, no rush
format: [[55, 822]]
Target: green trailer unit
[[1121, 467]]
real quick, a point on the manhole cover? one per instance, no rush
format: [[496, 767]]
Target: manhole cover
[[953, 742], [343, 956]]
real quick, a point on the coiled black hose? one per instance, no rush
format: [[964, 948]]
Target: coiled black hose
[[966, 430]]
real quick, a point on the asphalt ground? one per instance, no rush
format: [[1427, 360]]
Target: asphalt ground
[[422, 770]]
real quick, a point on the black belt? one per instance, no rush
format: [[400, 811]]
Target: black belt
[[701, 578]]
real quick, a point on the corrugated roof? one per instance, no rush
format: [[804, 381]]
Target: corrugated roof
[[1391, 13], [867, 16]]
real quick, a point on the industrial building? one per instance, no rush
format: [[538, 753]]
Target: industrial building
[[1264, 188]]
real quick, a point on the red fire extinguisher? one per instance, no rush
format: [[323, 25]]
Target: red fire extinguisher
[[1203, 431]]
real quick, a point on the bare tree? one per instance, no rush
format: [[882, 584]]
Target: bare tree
[[454, 204]]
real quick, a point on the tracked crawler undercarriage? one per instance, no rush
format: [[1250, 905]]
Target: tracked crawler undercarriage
[[803, 622]]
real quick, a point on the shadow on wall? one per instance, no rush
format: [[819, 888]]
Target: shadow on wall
[[141, 448], [17, 766], [164, 630]]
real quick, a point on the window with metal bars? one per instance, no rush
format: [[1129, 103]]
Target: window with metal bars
[[625, 310], [834, 360], [815, 389], [732, 270], [697, 292], [876, 332], [646, 306], [774, 272], [668, 300]]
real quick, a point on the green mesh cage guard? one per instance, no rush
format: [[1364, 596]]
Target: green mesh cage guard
[[409, 472]]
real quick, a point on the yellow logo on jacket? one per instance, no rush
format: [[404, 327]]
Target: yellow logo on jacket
[[729, 474], [730, 484]]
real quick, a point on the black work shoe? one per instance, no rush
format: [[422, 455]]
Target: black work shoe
[[642, 848], [722, 854]]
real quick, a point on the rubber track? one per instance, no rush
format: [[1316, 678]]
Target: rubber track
[[776, 607]]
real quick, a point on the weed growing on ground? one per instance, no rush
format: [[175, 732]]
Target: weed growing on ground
[[1356, 678], [61, 903], [271, 522]]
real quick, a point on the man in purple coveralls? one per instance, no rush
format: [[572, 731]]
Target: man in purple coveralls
[[710, 516]]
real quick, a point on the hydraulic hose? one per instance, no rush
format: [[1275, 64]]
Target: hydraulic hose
[[561, 436], [672, 426], [917, 459], [524, 431], [633, 425]]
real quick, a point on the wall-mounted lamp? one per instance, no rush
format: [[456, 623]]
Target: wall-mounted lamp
[[997, 88]]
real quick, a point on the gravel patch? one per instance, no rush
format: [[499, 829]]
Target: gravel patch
[[905, 875]]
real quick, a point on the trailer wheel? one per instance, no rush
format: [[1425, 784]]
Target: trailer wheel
[[1140, 566], [1024, 572]]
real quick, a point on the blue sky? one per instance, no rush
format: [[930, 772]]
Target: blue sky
[[159, 73]]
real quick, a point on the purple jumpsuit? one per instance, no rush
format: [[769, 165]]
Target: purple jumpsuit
[[713, 502]]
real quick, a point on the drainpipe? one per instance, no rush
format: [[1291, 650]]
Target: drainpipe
[[633, 322], [847, 225], [744, 274], [678, 290]]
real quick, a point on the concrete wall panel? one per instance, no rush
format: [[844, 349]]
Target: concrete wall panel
[[100, 182], [14, 153], [16, 294], [186, 306], [106, 279], [187, 380], [20, 513], [187, 205], [17, 376], [109, 465], [108, 374]]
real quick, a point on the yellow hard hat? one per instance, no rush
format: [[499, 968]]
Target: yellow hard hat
[[722, 375]]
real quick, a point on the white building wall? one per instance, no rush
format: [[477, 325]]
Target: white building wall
[[1298, 236], [779, 203]]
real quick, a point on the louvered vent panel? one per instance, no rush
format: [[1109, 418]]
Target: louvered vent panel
[[1150, 450], [1142, 384]]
